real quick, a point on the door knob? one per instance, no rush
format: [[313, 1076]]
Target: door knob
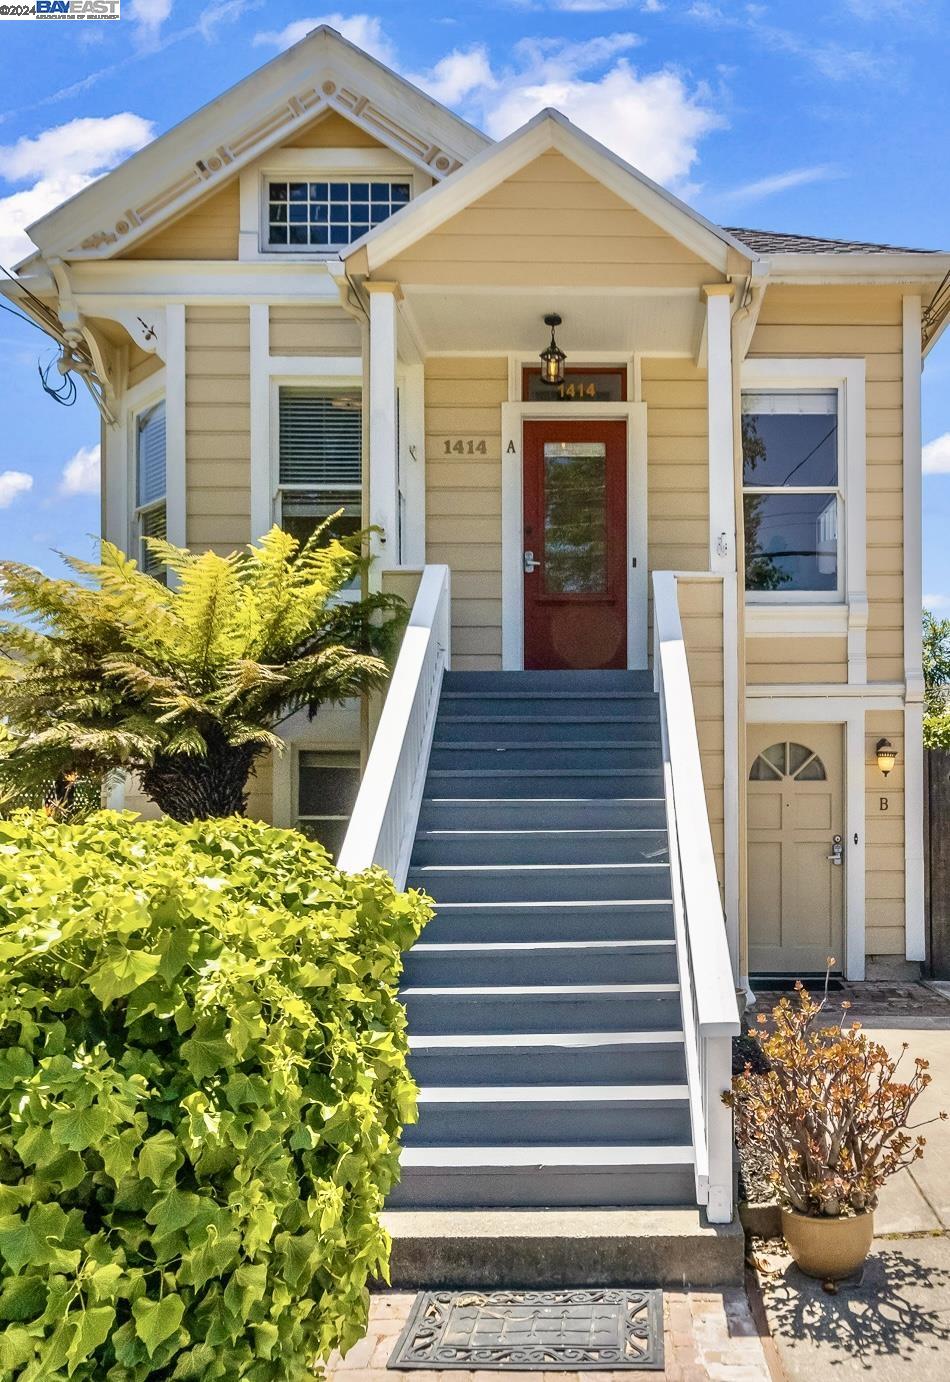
[[529, 563], [837, 851]]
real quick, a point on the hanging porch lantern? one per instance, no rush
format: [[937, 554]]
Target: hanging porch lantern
[[552, 357], [886, 756]]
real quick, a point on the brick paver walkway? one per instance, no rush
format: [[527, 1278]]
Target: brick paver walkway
[[710, 1337]]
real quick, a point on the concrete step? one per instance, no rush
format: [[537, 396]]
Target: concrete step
[[533, 846], [544, 782], [485, 922], [478, 757], [544, 1176], [549, 1057], [553, 813], [434, 1009], [549, 724], [543, 1115], [590, 683], [541, 882], [541, 1249], [538, 963]]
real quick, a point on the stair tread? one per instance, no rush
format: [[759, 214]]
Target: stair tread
[[562, 905], [533, 990], [539, 1094], [544, 693], [585, 1040], [541, 745], [634, 1154], [536, 868], [590, 833], [544, 772], [491, 947], [539, 719]]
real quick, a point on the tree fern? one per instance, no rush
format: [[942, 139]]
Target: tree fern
[[184, 685]]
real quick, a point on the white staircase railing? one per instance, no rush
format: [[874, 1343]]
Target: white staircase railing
[[710, 1010], [383, 823]]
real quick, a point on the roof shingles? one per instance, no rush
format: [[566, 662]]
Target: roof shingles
[[776, 242]]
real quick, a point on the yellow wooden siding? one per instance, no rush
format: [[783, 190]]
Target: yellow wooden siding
[[260, 796], [677, 451], [858, 321], [884, 838], [329, 131], [463, 499], [700, 604], [783, 659], [209, 231], [306, 330], [217, 427], [590, 238]]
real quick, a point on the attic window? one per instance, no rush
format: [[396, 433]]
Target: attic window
[[328, 215]]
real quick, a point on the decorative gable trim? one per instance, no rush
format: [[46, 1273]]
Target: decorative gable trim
[[201, 153]]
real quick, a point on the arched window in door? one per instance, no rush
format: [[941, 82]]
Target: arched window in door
[[787, 760]]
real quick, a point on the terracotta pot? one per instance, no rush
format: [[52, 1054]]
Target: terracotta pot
[[829, 1249]]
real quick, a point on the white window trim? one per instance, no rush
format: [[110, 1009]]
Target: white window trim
[[301, 164], [766, 609], [339, 733], [119, 460]]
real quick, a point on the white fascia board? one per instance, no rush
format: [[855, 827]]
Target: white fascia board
[[858, 268], [322, 57], [281, 280], [549, 129]]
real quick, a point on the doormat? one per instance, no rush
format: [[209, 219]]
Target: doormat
[[534, 1331]]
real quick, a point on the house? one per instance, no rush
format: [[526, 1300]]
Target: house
[[655, 731]]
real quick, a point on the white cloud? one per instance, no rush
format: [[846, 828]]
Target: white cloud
[[457, 75], [60, 162], [365, 30], [762, 188], [13, 483], [933, 602], [936, 456], [653, 119], [81, 472], [149, 16]]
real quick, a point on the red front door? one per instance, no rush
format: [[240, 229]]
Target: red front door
[[575, 544]]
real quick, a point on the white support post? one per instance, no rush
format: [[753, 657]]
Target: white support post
[[383, 440], [717, 1079], [722, 515], [413, 446], [914, 921], [262, 489], [175, 481], [854, 855]]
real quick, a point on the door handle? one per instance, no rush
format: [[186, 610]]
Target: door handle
[[529, 563], [837, 851]]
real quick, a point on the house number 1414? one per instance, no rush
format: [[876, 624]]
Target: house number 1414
[[466, 447]]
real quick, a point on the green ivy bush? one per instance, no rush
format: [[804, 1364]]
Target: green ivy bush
[[202, 1088]]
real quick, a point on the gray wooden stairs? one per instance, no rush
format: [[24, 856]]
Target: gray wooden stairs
[[543, 1003]]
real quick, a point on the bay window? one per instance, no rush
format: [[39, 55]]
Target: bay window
[[792, 495]]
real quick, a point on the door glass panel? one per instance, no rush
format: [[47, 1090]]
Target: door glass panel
[[776, 756], [798, 756], [813, 772], [575, 518]]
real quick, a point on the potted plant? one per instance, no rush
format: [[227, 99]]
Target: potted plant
[[828, 1112]]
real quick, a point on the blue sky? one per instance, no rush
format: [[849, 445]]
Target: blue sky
[[826, 117]]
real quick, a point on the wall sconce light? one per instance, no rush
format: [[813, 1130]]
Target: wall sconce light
[[886, 756], [552, 357]]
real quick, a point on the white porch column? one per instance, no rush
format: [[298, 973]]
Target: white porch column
[[722, 515], [383, 439]]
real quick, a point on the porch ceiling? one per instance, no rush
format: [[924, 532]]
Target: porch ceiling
[[505, 319]]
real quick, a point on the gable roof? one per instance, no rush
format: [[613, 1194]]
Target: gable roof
[[323, 72], [778, 242], [549, 129]]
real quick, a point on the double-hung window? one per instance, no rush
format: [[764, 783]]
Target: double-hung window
[[319, 460], [793, 501], [150, 520], [327, 783], [328, 214]]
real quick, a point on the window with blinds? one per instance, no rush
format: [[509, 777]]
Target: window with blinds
[[320, 462], [150, 515]]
